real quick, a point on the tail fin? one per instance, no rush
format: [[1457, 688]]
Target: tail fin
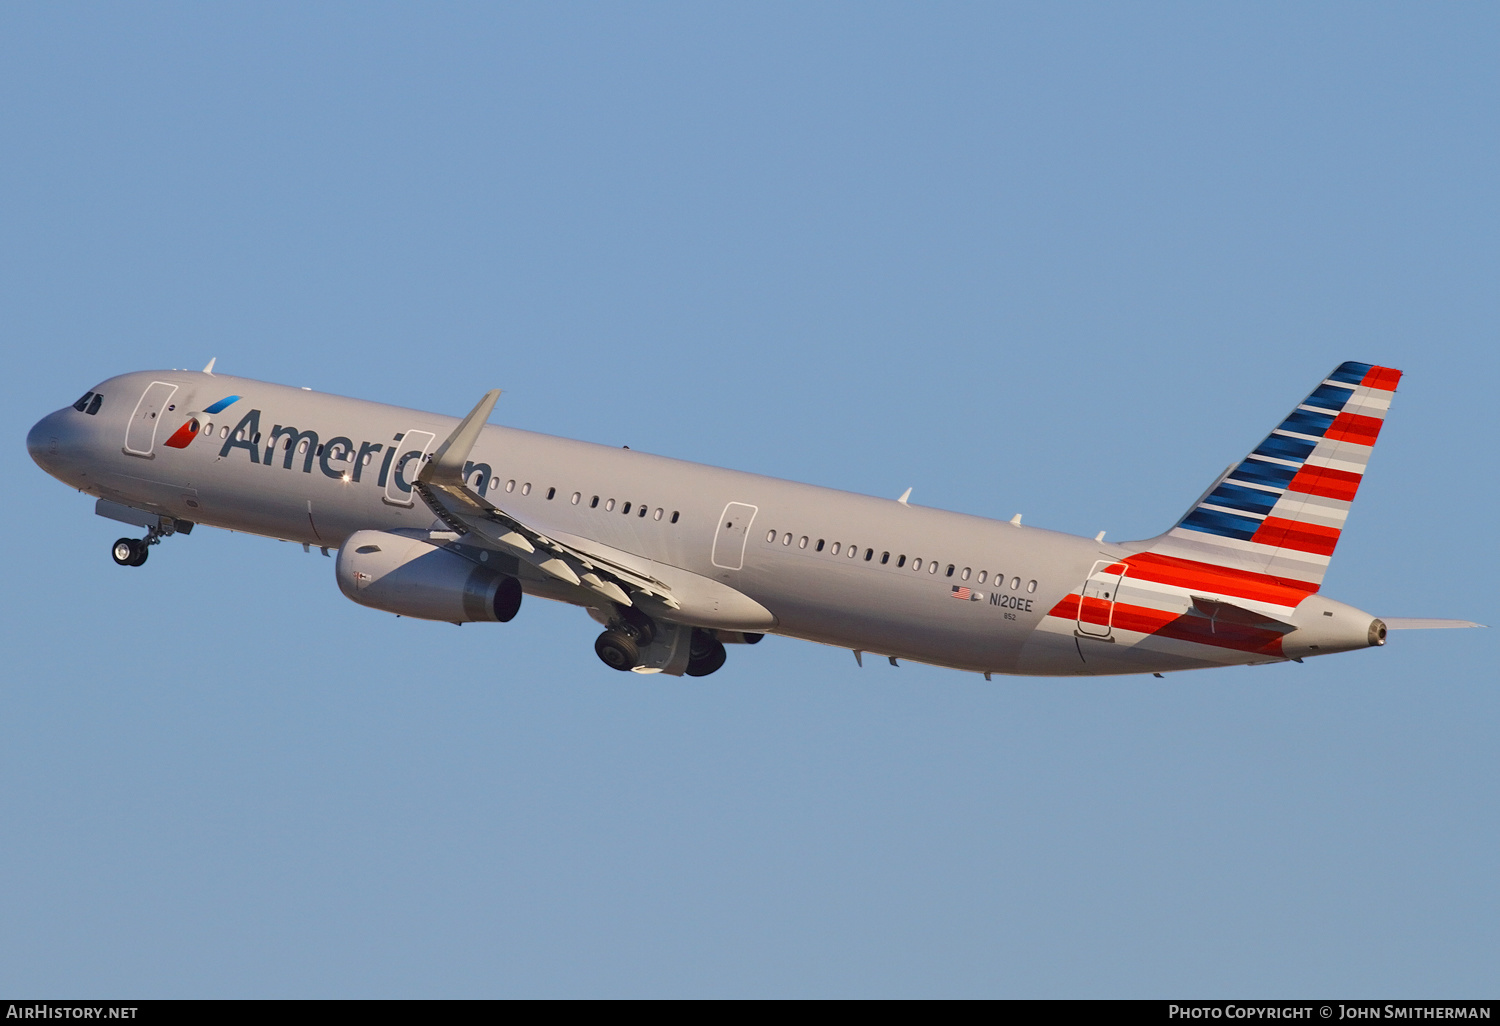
[[1279, 511]]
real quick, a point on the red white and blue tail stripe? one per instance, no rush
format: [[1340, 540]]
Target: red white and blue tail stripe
[[1277, 515]]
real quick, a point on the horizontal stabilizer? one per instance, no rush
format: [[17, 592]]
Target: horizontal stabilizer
[[1424, 623], [1223, 612]]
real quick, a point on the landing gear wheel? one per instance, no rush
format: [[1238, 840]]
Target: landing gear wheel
[[706, 655], [124, 551], [129, 552], [640, 627], [618, 651]]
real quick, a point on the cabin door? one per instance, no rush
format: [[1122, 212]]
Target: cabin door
[[1096, 609], [411, 452], [730, 537], [140, 433]]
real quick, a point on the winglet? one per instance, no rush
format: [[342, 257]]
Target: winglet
[[904, 496], [447, 464], [209, 370]]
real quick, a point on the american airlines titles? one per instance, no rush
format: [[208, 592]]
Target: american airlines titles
[[337, 458]]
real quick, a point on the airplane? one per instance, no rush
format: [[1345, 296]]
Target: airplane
[[454, 519]]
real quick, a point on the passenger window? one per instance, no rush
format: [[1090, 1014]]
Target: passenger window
[[644, 510], [658, 513], [625, 510], [819, 547], [577, 498], [94, 406], [950, 571], [965, 575], [835, 549], [770, 536], [916, 565], [982, 575], [551, 492], [526, 488], [787, 540], [609, 505], [510, 485], [932, 567], [301, 447], [594, 504], [256, 439], [674, 516], [852, 551], [885, 557], [1031, 586], [901, 561], [1015, 582], [224, 431], [802, 542]]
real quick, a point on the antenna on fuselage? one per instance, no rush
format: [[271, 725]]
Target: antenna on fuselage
[[209, 370]]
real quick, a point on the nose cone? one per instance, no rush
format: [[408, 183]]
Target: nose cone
[[50, 441]]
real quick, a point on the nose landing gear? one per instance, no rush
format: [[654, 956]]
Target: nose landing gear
[[133, 551], [130, 551]]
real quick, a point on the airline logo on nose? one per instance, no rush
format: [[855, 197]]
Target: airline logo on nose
[[185, 434]]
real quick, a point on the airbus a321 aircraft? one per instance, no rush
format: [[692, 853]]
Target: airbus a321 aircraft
[[456, 520]]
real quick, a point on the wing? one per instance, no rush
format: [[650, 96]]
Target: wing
[[594, 567]]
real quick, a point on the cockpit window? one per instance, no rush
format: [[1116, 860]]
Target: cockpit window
[[83, 403], [94, 406]]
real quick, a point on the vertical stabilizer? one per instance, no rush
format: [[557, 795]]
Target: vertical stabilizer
[[1280, 510]]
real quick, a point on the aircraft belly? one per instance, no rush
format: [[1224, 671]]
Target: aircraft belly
[[1058, 647], [907, 618]]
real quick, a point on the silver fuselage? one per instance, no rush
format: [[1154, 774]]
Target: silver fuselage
[[869, 574]]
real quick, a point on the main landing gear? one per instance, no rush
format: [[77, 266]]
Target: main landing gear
[[620, 646], [624, 646], [705, 655]]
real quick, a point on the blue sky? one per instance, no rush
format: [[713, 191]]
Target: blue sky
[[1064, 260]]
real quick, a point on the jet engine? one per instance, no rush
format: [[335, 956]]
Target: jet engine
[[412, 576]]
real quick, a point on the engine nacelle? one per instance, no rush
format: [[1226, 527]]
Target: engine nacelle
[[415, 577]]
